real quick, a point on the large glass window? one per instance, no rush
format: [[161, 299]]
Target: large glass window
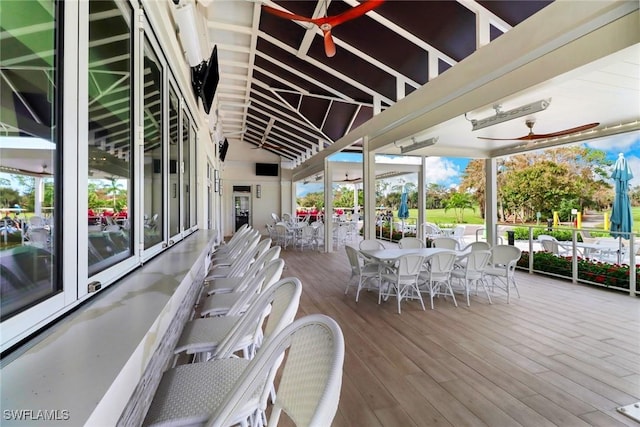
[[29, 129], [110, 133], [153, 159], [174, 168], [186, 161]]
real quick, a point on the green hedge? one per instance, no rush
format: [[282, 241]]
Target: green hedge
[[522, 233], [599, 272]]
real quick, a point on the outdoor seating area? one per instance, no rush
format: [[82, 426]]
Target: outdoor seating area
[[560, 354]]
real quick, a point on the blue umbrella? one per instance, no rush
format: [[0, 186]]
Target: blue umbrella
[[621, 219], [403, 210]]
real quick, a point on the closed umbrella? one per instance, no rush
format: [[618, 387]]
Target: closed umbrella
[[621, 219], [403, 210]]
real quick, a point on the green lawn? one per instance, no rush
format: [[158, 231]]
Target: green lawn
[[439, 216]]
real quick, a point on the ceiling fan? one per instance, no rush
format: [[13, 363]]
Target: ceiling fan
[[327, 23], [268, 146], [533, 136], [346, 178]]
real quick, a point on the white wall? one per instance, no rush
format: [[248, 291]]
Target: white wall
[[239, 169]]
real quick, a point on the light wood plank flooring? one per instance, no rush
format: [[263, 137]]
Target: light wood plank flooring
[[561, 355]]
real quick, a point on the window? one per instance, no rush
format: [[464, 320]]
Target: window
[[110, 134], [174, 157], [153, 158], [29, 151]]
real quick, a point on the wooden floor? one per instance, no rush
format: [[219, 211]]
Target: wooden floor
[[561, 355]]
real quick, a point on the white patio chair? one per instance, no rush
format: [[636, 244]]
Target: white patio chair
[[227, 392], [445, 243], [458, 234], [410, 243], [306, 237], [234, 303], [473, 272], [225, 285], [367, 274], [242, 262], [285, 234], [501, 269], [437, 280], [402, 280], [219, 337]]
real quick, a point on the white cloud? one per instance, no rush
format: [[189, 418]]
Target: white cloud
[[619, 143]]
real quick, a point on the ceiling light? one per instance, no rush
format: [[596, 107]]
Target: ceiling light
[[503, 116], [418, 144], [318, 177]]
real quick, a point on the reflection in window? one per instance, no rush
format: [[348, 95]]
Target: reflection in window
[[110, 133], [28, 141], [153, 164], [174, 166]]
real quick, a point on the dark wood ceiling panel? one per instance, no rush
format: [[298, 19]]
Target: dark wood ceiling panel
[[306, 138], [296, 80], [302, 8], [357, 68], [259, 114], [284, 30], [446, 25], [363, 115], [386, 46], [494, 33], [291, 98], [314, 72], [514, 12], [338, 119], [314, 109]]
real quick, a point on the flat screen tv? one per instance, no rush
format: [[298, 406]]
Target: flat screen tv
[[204, 79], [266, 169], [224, 146]]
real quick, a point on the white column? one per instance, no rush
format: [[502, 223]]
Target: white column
[[421, 200], [491, 200], [369, 190], [328, 206], [39, 195]]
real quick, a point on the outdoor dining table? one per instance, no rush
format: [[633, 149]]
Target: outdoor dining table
[[598, 249], [387, 255]]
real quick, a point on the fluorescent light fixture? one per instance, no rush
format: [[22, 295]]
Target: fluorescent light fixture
[[188, 32], [418, 144], [503, 116]]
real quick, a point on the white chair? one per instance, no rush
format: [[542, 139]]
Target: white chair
[[219, 337], [285, 235], [319, 236], [367, 274], [477, 246], [234, 303], [431, 231], [410, 243], [504, 259], [306, 238], [552, 245], [445, 243], [371, 245], [227, 392], [475, 264], [458, 234], [402, 280], [225, 285], [437, 280], [241, 263]]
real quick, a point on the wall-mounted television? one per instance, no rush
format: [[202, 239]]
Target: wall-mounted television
[[204, 79], [267, 169], [222, 150]]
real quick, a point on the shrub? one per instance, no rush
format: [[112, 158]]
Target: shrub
[[599, 272], [522, 233]]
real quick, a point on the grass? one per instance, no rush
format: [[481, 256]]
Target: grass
[[440, 217]]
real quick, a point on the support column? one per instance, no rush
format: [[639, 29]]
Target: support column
[[328, 206], [491, 201], [422, 203], [369, 190]]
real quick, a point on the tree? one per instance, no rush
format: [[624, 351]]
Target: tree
[[473, 181], [459, 202]]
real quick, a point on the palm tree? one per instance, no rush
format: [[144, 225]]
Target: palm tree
[[459, 202]]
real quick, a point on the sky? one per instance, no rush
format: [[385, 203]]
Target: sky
[[447, 171]]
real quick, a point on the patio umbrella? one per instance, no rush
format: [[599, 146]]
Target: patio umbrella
[[403, 210], [621, 219]]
